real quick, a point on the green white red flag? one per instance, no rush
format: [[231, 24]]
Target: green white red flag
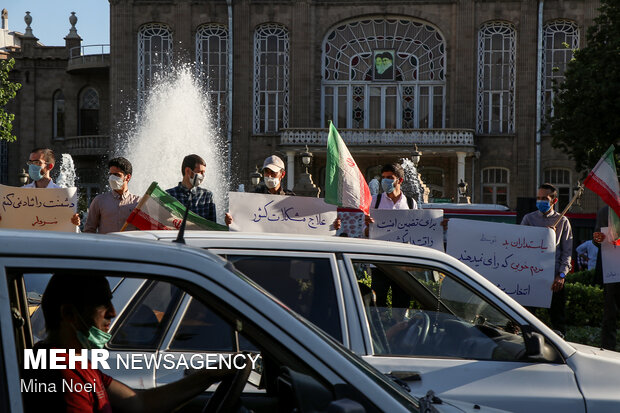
[[603, 180], [345, 184], [159, 210]]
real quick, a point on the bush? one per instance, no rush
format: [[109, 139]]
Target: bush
[[584, 277], [584, 304]]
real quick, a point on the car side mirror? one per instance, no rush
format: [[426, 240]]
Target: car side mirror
[[345, 406], [535, 347]]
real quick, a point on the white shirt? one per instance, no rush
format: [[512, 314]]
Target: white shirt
[[590, 251], [387, 203], [50, 184]]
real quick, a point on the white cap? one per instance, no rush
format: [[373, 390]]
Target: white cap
[[274, 163]]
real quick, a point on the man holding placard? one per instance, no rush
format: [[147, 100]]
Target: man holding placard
[[546, 216]]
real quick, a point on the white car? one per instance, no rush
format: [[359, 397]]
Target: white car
[[300, 368], [423, 317]]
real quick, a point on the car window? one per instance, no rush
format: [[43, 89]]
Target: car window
[[145, 324], [420, 311], [305, 285], [202, 330]]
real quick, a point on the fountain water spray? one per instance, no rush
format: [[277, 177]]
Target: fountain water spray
[[176, 121], [412, 184], [66, 177]]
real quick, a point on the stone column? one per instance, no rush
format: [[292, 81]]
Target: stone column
[[290, 170], [460, 170]]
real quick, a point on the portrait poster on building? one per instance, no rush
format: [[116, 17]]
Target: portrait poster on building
[[518, 259], [410, 226], [38, 208], [282, 214], [610, 255], [383, 66]]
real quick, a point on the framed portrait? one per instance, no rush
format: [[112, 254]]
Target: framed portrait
[[383, 65]]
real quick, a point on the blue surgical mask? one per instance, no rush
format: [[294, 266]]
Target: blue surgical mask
[[96, 338], [543, 206], [388, 185], [34, 171]]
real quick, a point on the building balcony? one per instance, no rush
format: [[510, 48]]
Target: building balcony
[[89, 58], [87, 145], [437, 140]]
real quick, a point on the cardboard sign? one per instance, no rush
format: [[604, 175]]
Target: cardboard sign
[[519, 259], [610, 254], [38, 208], [410, 226], [281, 214]]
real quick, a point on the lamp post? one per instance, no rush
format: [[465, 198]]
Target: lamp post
[[255, 177], [463, 198], [304, 186], [416, 155], [23, 177]]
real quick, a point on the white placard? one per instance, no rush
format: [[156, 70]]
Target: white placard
[[38, 208], [282, 214], [610, 254], [410, 226], [519, 259]]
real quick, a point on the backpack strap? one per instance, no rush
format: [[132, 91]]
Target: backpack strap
[[378, 201], [409, 202]]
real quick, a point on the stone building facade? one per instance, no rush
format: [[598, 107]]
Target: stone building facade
[[457, 78]]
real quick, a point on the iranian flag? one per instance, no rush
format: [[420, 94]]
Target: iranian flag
[[603, 180], [159, 210], [345, 185]]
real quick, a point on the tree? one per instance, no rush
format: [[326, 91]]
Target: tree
[[8, 90], [586, 117]]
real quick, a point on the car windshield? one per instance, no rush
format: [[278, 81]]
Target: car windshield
[[364, 368]]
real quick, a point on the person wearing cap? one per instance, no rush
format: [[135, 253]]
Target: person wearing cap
[[273, 173], [193, 169]]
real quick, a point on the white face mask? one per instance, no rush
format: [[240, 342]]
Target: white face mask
[[271, 182], [116, 182], [198, 179]]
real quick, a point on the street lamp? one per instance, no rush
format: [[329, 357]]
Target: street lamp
[[23, 177], [462, 186], [416, 155], [255, 177], [306, 158]]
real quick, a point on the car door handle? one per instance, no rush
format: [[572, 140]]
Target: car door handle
[[406, 375]]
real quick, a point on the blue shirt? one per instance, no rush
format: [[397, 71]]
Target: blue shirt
[[201, 203]]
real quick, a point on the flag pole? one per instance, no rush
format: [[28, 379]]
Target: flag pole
[[576, 196], [135, 210]]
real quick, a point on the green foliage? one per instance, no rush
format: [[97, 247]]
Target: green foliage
[[587, 103], [8, 90], [586, 277], [584, 304]]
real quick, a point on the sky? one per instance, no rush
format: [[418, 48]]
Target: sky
[[50, 19]]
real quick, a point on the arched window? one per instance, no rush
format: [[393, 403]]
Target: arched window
[[561, 179], [497, 44], [58, 127], [561, 38], [271, 70], [154, 55], [495, 186], [384, 73], [212, 68], [89, 112]]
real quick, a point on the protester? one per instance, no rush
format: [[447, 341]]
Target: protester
[[546, 216], [611, 291], [78, 311], [109, 211], [40, 163], [586, 255], [273, 173], [201, 202], [374, 185]]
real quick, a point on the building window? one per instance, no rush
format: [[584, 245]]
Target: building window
[[384, 73], [212, 69], [495, 186], [496, 78], [89, 112], [59, 115], [560, 40], [271, 71], [561, 179], [154, 56]]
